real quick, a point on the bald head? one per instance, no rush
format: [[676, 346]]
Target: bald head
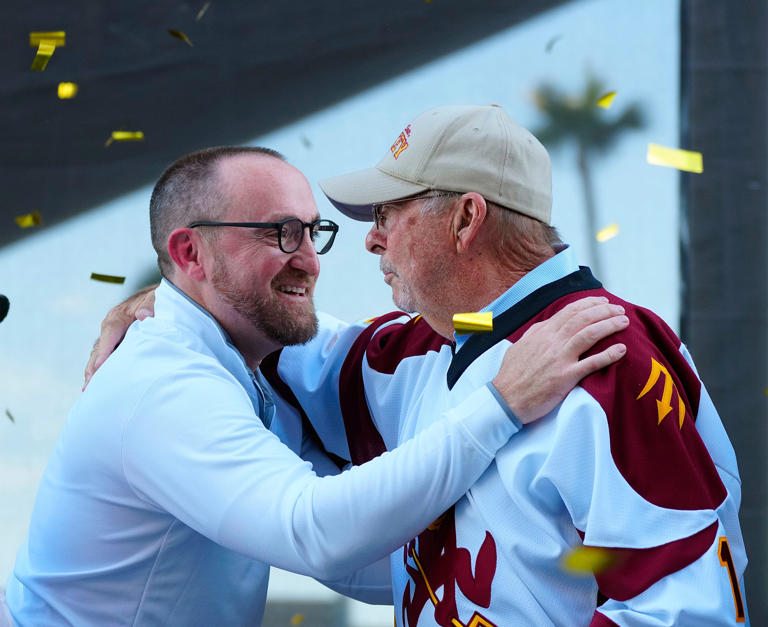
[[195, 188]]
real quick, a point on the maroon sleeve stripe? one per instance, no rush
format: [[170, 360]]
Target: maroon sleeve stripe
[[383, 349], [636, 570], [666, 461], [397, 342], [600, 620], [363, 438], [268, 368]]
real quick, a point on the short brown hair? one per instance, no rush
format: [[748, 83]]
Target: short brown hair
[[188, 191]]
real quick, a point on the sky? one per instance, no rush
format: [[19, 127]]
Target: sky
[[633, 47]]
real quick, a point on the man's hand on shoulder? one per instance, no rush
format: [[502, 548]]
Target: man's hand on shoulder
[[543, 366], [113, 328]]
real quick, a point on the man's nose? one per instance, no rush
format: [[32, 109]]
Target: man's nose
[[375, 241], [305, 257]]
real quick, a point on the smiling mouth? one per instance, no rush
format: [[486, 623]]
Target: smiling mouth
[[293, 291]]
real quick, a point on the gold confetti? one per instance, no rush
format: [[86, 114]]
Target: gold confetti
[[686, 160], [586, 560], [606, 100], [473, 322], [609, 232], [179, 35], [107, 278], [202, 11], [67, 90], [10, 416], [44, 53], [297, 619], [125, 136], [551, 43], [45, 42], [29, 219], [55, 37]]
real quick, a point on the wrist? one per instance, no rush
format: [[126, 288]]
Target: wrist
[[505, 406]]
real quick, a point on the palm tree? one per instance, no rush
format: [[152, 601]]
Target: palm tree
[[579, 119]]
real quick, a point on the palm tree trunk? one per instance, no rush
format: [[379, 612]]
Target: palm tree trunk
[[590, 210]]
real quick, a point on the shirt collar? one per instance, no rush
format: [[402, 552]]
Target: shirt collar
[[556, 267], [176, 307]]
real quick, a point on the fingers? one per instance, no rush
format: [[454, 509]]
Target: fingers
[[139, 306], [146, 306], [590, 335], [593, 363], [576, 315], [580, 305], [103, 348], [111, 336]]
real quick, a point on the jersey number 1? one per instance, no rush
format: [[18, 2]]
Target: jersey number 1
[[726, 559]]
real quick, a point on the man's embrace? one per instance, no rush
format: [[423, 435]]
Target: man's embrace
[[169, 493]]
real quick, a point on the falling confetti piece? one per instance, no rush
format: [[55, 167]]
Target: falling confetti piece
[[686, 160], [125, 136], [202, 11], [67, 90], [472, 322], [45, 42], [55, 37], [606, 100], [610, 231], [107, 278], [179, 35], [766, 391], [5, 305], [551, 43], [297, 619], [10, 416], [586, 560], [29, 219], [44, 53]]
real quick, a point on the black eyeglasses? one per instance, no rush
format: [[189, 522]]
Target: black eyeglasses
[[379, 218], [290, 232]]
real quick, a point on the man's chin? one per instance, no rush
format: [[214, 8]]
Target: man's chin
[[403, 303], [290, 327]]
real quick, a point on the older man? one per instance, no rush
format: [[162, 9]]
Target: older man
[[634, 463], [168, 494]]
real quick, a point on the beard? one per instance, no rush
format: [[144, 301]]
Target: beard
[[287, 326]]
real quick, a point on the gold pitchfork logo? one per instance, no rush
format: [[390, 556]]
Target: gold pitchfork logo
[[664, 406]]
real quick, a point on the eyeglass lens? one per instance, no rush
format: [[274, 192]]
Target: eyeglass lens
[[321, 233]]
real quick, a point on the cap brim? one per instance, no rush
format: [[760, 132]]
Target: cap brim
[[354, 194]]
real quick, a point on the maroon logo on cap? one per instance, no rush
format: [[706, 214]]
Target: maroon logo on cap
[[401, 143]]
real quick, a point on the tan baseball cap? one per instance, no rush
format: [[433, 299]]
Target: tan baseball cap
[[458, 149]]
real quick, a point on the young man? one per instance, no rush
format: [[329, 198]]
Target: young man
[[634, 463], [168, 494]]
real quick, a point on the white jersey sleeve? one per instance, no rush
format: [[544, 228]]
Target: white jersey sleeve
[[240, 486]]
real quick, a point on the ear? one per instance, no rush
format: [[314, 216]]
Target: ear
[[185, 246], [468, 216]]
